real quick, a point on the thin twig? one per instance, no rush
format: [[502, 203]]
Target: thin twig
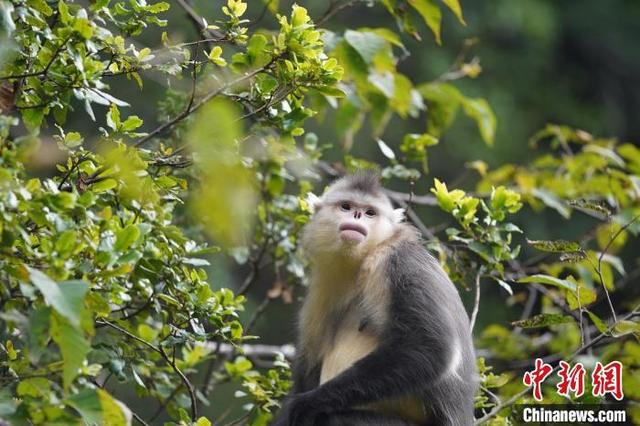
[[256, 314], [476, 304], [426, 200], [139, 419], [199, 22], [335, 8], [602, 254]]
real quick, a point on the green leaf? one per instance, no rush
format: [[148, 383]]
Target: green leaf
[[431, 14], [548, 279], [87, 404], [299, 16], [214, 56], [272, 5], [454, 6], [202, 421], [367, 44], [551, 200], [66, 298], [194, 261], [104, 185], [84, 27], [447, 200], [131, 123], [443, 103], [115, 411], [600, 325], [614, 261], [113, 117], [36, 387], [403, 94], [72, 140], [624, 327], [257, 52], [32, 117], [41, 6], [65, 17], [73, 346], [479, 110], [543, 320], [383, 82], [587, 297], [557, 246], [66, 242], [126, 237], [504, 200], [330, 91]]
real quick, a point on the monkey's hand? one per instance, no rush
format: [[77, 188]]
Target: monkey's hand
[[299, 410]]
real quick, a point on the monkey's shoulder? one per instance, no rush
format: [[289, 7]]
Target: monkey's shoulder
[[416, 277], [410, 259]]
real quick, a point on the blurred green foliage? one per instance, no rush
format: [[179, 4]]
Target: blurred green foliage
[[111, 297]]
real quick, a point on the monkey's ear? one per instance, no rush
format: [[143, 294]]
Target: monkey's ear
[[314, 201], [398, 215]]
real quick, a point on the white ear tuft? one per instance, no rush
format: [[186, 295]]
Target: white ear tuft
[[398, 215], [313, 200]]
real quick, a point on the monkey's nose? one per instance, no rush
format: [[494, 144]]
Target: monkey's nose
[[357, 214]]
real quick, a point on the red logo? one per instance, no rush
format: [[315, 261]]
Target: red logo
[[571, 379], [604, 379], [608, 379], [536, 377]]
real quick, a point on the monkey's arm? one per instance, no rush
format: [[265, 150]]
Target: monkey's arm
[[393, 369]]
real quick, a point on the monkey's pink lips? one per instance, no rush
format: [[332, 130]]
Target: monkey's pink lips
[[352, 232]]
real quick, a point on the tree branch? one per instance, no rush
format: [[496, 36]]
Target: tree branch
[[336, 7], [163, 354], [199, 22]]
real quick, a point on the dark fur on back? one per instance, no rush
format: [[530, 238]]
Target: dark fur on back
[[433, 317], [365, 180]]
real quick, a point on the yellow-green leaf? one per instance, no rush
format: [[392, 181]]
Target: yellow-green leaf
[[454, 6], [479, 110], [431, 14], [126, 237], [548, 279]]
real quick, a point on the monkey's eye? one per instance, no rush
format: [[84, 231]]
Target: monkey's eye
[[345, 207], [370, 212]]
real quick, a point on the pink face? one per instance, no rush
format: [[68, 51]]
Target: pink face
[[355, 221]]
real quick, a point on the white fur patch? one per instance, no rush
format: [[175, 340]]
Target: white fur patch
[[456, 360], [313, 200], [398, 215]]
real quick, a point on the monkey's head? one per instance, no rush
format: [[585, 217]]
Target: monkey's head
[[352, 216]]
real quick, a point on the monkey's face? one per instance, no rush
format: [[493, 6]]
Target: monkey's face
[[355, 221], [349, 223]]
